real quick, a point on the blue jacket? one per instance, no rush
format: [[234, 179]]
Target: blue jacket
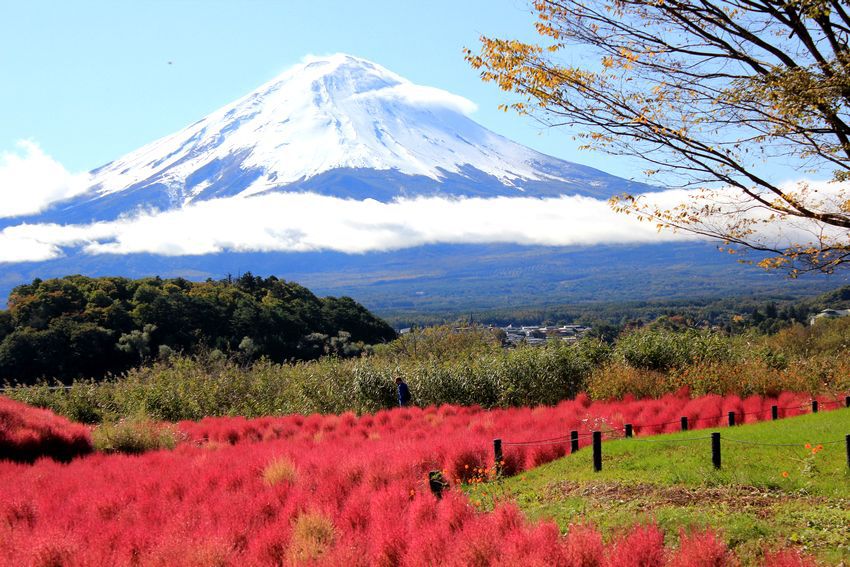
[[403, 394]]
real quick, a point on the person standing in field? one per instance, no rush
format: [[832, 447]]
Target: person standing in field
[[403, 393]]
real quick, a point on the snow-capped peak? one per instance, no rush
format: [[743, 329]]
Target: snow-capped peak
[[336, 125], [323, 114]]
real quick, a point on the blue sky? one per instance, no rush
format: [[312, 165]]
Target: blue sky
[[89, 81]]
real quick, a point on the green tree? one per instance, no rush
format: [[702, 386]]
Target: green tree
[[6, 325], [28, 354], [78, 326], [137, 343]]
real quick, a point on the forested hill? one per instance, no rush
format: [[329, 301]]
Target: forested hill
[[80, 326]]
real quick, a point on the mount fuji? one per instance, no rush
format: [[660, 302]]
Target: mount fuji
[[342, 131], [338, 126]]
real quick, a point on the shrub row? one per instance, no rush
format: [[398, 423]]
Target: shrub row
[[196, 387], [446, 370]]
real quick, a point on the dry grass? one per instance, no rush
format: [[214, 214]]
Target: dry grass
[[280, 469], [312, 535], [134, 436]]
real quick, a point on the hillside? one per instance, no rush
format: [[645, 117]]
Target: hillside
[[436, 283], [772, 489], [87, 327], [768, 309]]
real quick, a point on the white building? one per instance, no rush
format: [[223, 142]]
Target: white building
[[829, 314]]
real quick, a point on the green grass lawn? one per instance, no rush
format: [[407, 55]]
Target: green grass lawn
[[762, 495]]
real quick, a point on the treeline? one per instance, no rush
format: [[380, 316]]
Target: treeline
[[90, 327], [731, 314], [441, 366]]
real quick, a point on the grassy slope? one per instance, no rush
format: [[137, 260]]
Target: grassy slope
[[750, 501]]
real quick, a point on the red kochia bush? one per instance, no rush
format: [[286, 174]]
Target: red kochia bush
[[701, 550], [787, 558], [456, 439], [334, 490], [28, 433], [642, 547]]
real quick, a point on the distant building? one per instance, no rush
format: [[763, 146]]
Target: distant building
[[541, 334], [829, 314], [512, 335]]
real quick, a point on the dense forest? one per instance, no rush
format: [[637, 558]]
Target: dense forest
[[79, 326]]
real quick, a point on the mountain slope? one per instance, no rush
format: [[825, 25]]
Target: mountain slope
[[339, 126], [456, 280]]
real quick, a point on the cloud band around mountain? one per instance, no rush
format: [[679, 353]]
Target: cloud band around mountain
[[306, 222], [302, 222]]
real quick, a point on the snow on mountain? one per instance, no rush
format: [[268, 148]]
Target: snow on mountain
[[339, 126]]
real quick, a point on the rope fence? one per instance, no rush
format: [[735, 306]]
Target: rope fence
[[672, 440], [744, 442], [627, 431], [684, 422]]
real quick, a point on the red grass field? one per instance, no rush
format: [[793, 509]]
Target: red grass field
[[337, 490], [27, 433]]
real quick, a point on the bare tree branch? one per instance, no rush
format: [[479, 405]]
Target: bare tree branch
[[703, 90]]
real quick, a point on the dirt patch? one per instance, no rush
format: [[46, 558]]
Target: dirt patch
[[648, 496]]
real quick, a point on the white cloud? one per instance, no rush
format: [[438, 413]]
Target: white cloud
[[30, 181], [768, 228], [404, 91], [418, 95], [14, 248], [301, 222]]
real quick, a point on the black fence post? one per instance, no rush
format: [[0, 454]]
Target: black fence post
[[715, 449], [731, 419], [497, 456], [774, 412], [629, 431], [684, 421], [847, 401], [847, 441], [573, 441], [814, 406], [597, 451]]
